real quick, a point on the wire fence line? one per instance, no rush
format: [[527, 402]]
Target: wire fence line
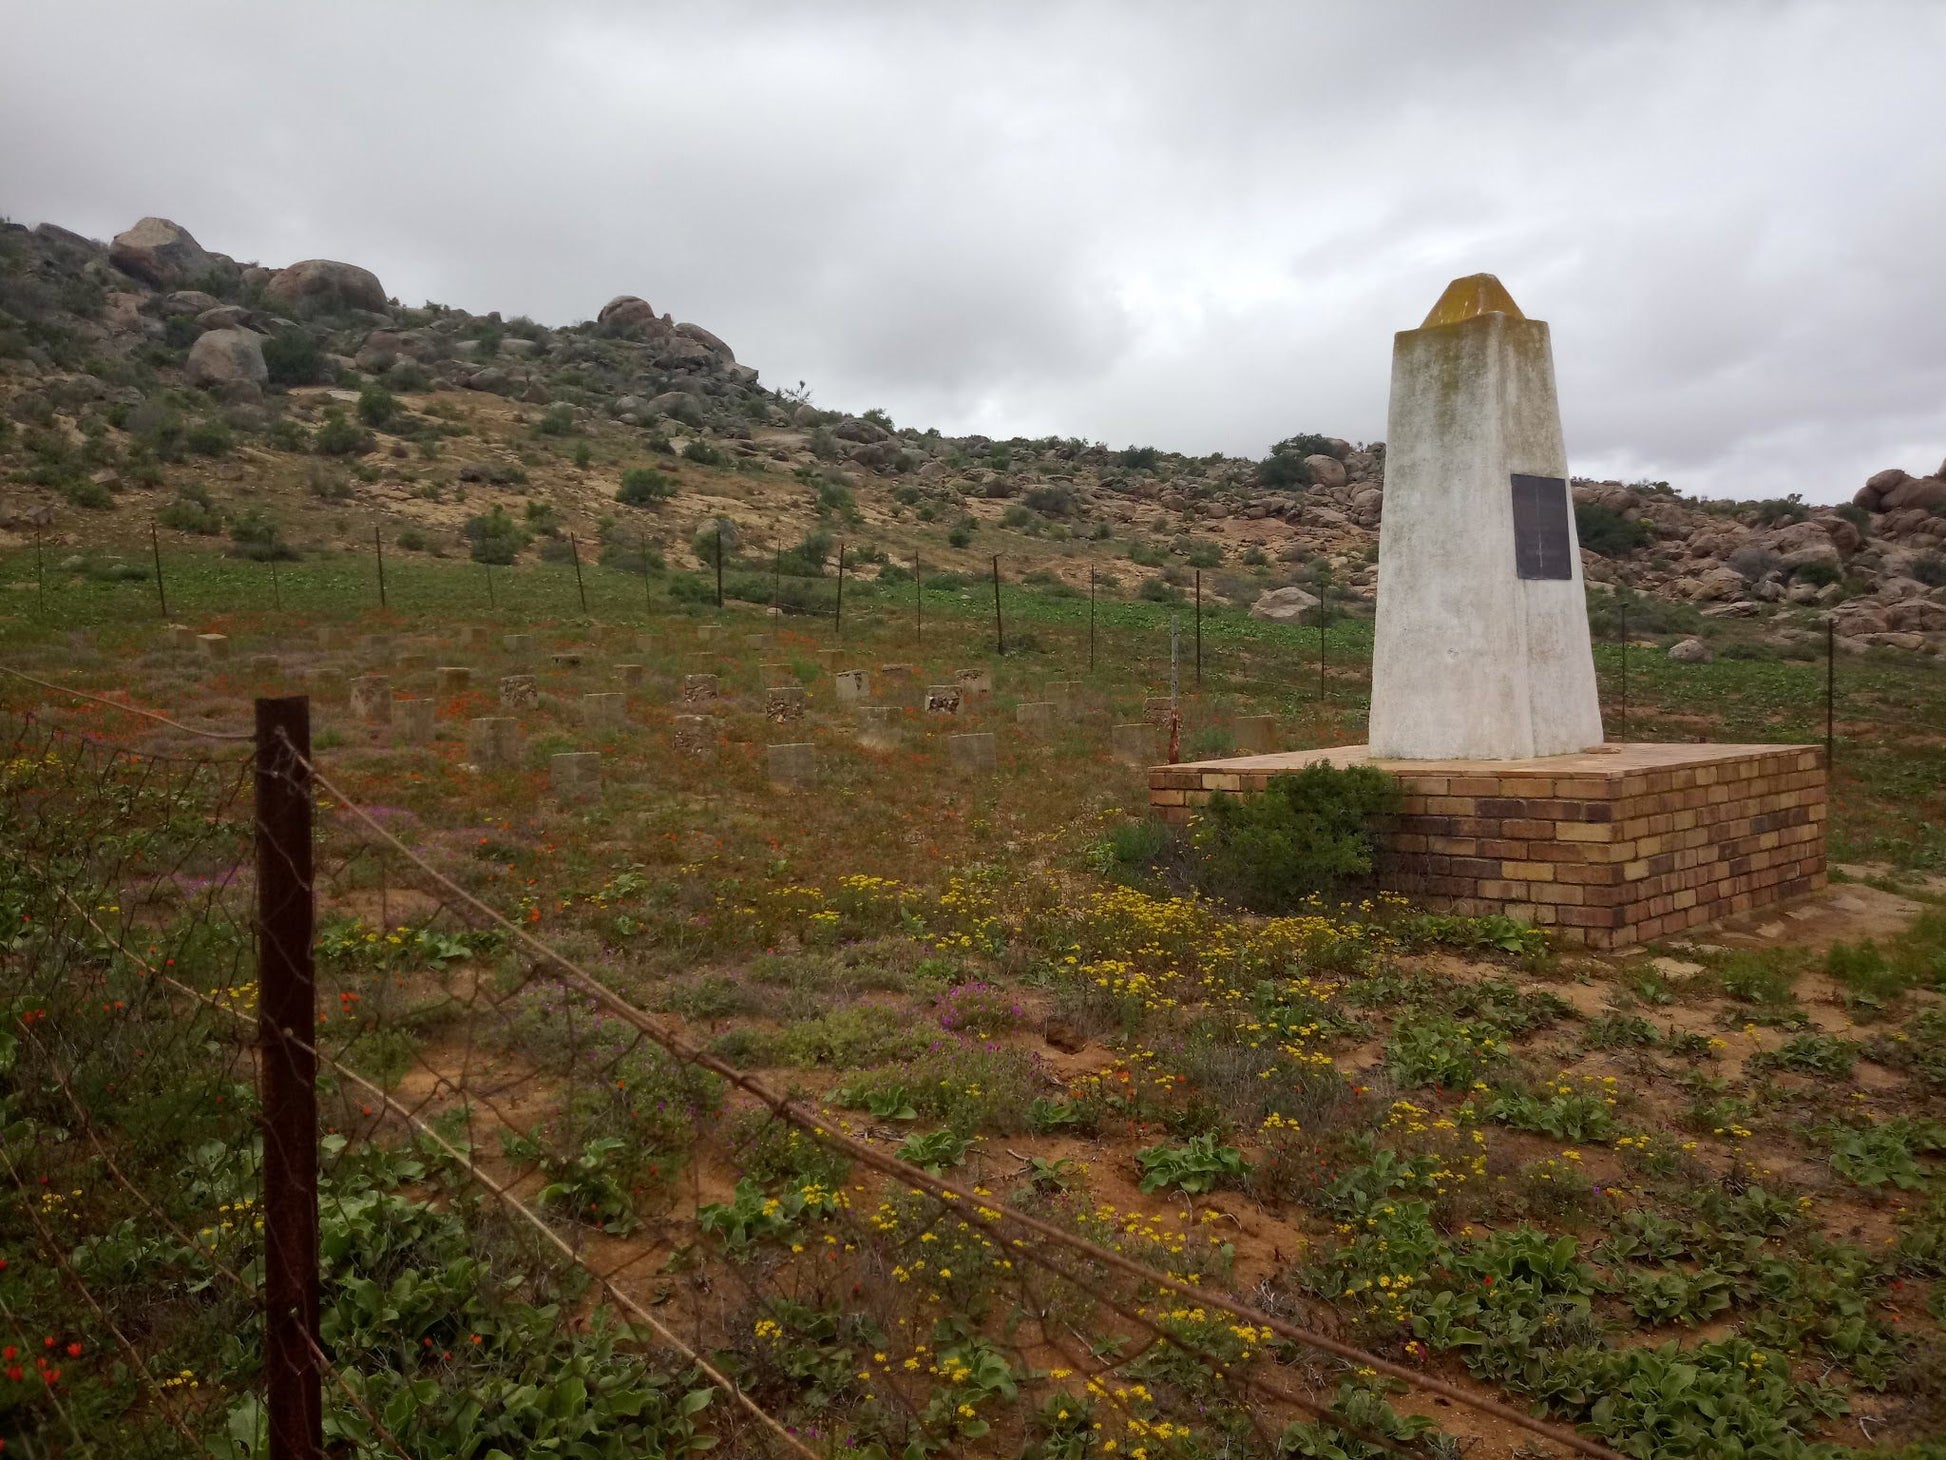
[[132, 879]]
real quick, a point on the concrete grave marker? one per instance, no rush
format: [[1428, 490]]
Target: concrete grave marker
[[831, 659], [1157, 710], [605, 709], [1481, 647], [215, 647], [942, 699], [707, 633], [975, 681], [1255, 734], [328, 637], [880, 727], [777, 674], [784, 702], [792, 765], [575, 775], [413, 719], [453, 679], [854, 686], [179, 637], [567, 659], [371, 699], [1039, 718], [325, 681], [266, 666], [974, 753], [520, 692], [377, 648], [518, 646], [698, 687], [493, 743], [413, 662], [468, 636], [693, 734], [1134, 744], [758, 641], [631, 675]]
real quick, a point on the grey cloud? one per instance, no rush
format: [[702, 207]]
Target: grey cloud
[[1196, 226]]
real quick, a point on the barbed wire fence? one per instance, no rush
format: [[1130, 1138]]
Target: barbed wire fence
[[269, 1059]]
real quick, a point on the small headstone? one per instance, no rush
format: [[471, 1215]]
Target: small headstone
[[1038, 718], [899, 675], [518, 646], [325, 682], [975, 681], [698, 687], [854, 686], [942, 699], [414, 661], [784, 702], [630, 675], [413, 720], [453, 679], [831, 659], [693, 734], [604, 709], [371, 699], [1256, 734], [377, 648], [493, 743], [1157, 709], [973, 752], [880, 727], [328, 637], [468, 636], [758, 641], [178, 636], [520, 692], [1065, 693], [215, 647], [648, 644], [1134, 744], [777, 674], [567, 659], [705, 633], [575, 775], [266, 666], [792, 765]]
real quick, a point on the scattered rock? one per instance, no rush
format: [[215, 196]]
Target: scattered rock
[[1283, 605], [326, 284], [1691, 651], [626, 312], [219, 356], [160, 253], [1325, 471]]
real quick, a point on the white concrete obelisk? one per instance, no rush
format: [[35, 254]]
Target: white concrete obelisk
[[1481, 649]]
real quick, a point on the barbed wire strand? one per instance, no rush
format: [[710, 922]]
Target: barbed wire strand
[[500, 1191], [940, 1188], [160, 719]]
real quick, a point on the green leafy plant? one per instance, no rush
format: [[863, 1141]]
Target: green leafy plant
[[936, 1151], [1887, 1153], [1197, 1166], [644, 486]]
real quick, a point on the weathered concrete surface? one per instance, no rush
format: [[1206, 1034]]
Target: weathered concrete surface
[[975, 753], [493, 743], [575, 775], [792, 765], [413, 720], [880, 727], [1470, 660]]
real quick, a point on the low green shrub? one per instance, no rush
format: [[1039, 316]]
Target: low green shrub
[[1306, 835]]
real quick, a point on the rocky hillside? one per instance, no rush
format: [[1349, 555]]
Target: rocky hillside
[[150, 377]]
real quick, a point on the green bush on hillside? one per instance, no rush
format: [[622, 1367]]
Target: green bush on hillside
[[1608, 532]]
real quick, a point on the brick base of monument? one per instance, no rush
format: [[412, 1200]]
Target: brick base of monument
[[1606, 848]]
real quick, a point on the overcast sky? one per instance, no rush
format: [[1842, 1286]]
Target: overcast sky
[[1192, 225]]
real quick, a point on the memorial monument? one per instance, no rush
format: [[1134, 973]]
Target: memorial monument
[[1484, 698]]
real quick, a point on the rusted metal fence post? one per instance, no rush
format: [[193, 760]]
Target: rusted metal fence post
[[287, 1033]]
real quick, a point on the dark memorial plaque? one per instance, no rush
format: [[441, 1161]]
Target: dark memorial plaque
[[1543, 546]]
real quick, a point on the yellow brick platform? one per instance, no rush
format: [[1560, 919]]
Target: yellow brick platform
[[1607, 848]]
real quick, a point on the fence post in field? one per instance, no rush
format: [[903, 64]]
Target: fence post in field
[[1199, 628], [1091, 620], [488, 567], [918, 604], [1621, 605], [1830, 694], [155, 550], [378, 549], [276, 593], [648, 598], [999, 627], [838, 621], [40, 576], [719, 562], [287, 1033], [581, 590]]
